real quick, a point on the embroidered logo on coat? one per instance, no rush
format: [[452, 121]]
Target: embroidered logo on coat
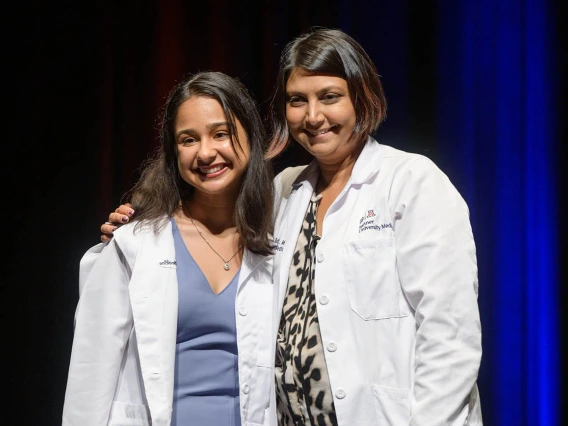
[[368, 222], [167, 262]]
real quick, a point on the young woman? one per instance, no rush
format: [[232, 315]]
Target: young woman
[[376, 320], [174, 324]]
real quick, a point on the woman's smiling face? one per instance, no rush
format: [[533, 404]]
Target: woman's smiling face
[[320, 115], [206, 158]]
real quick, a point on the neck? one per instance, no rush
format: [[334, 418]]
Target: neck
[[214, 212], [337, 174]]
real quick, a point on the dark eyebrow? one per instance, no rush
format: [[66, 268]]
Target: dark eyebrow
[[319, 92], [209, 126], [219, 124]]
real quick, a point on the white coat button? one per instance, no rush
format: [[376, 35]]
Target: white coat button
[[332, 347], [324, 300], [243, 312], [321, 257], [246, 388], [340, 394]]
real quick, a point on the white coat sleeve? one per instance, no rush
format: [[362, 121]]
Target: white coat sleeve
[[103, 322], [87, 262], [437, 268]]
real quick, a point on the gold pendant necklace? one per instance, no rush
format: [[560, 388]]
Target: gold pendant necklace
[[226, 266]]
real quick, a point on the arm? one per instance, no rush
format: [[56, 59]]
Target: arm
[[437, 266], [103, 322], [119, 217]]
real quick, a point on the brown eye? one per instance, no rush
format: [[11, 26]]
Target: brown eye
[[295, 101], [222, 135], [331, 98], [187, 141]]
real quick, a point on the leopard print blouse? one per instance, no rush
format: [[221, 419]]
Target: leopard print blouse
[[303, 392]]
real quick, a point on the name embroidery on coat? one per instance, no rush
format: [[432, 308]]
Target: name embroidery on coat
[[368, 222]]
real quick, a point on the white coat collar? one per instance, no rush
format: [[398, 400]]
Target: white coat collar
[[368, 163], [250, 267], [366, 167]]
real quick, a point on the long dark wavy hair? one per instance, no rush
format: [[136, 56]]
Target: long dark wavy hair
[[161, 190], [331, 52]]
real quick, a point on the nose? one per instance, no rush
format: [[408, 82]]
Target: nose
[[207, 152], [314, 114]]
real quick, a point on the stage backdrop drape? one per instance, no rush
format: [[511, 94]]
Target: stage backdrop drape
[[498, 138]]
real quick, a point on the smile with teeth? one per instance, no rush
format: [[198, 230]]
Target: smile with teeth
[[212, 170], [320, 132]]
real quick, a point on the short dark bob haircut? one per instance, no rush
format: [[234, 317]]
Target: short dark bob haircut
[[331, 52], [161, 189]]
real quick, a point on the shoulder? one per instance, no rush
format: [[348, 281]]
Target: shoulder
[[408, 165], [128, 234], [381, 159], [130, 237], [410, 175], [289, 175], [285, 179], [402, 159], [417, 178]]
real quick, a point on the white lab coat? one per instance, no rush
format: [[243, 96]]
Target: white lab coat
[[122, 362], [396, 290]]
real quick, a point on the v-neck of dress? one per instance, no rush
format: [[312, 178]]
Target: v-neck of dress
[[188, 252]]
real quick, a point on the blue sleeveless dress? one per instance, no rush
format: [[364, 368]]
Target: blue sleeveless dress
[[206, 385]]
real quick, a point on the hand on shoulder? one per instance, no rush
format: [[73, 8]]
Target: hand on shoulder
[[119, 217]]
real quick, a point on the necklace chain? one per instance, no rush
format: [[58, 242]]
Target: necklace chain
[[226, 266]]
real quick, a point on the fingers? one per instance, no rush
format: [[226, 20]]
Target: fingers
[[125, 209], [118, 218], [122, 214], [108, 228]]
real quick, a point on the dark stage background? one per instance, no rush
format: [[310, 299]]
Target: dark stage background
[[477, 86]]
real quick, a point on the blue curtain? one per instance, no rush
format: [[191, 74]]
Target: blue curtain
[[497, 138]]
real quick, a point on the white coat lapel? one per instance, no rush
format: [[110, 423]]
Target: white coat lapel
[[154, 301], [249, 265]]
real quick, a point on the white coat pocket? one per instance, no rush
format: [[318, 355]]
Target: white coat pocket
[[127, 414], [259, 396], [370, 273], [392, 406]]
